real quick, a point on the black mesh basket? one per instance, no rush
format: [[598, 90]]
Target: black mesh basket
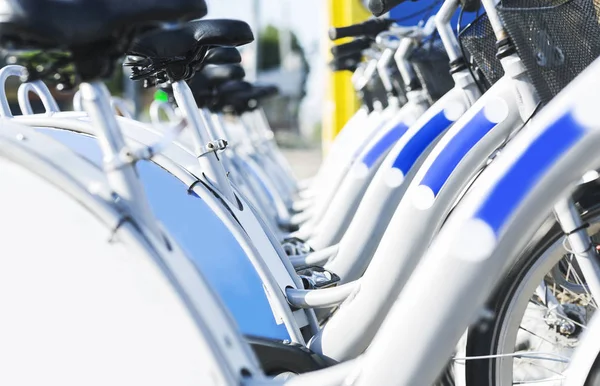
[[555, 39], [431, 65], [479, 42]]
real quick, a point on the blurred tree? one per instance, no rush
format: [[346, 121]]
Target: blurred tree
[[115, 83], [268, 48], [269, 57]]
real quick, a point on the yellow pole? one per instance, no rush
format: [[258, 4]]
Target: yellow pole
[[341, 100]]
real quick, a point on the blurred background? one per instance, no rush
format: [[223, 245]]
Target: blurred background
[[292, 51], [287, 52]]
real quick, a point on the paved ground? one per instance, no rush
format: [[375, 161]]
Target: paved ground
[[304, 161]]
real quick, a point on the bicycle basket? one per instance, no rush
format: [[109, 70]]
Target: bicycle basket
[[555, 39], [479, 41], [431, 65]]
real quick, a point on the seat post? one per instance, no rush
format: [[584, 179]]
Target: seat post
[[123, 180], [219, 125], [209, 162], [214, 130]]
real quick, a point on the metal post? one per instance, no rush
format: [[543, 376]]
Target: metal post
[[123, 180], [209, 162], [341, 101], [285, 36], [252, 73]]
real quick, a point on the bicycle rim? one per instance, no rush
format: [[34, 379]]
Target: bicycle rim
[[517, 320]]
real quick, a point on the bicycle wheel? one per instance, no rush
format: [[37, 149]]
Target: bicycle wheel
[[527, 341]]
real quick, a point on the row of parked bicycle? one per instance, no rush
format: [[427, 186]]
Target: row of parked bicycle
[[451, 235]]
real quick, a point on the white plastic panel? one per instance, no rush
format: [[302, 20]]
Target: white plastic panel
[[79, 309]]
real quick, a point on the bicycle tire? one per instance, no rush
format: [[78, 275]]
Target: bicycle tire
[[486, 340]]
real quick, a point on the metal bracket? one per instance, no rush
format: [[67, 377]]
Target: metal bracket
[[316, 277], [125, 157], [212, 147]]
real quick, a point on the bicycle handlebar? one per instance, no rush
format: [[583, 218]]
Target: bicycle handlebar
[[369, 28], [345, 63], [354, 46], [379, 7], [392, 37]]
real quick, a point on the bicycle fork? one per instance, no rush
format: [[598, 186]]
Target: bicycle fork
[[580, 243]]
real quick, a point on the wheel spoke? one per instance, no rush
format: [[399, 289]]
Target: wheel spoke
[[555, 379], [580, 282], [538, 355], [540, 330], [577, 279], [531, 363], [536, 335]]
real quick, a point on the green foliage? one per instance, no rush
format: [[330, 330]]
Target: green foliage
[[268, 49], [269, 56], [115, 83]]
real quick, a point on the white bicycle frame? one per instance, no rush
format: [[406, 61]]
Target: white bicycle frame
[[386, 188], [330, 220], [227, 358], [484, 128], [269, 259], [340, 212], [488, 229], [429, 198], [335, 220], [490, 226], [495, 220], [383, 278], [256, 149], [358, 246], [100, 241], [261, 138], [349, 144], [344, 159], [586, 354]]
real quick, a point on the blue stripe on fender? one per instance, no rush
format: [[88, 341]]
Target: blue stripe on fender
[[456, 149], [418, 143], [512, 188], [371, 155], [358, 152]]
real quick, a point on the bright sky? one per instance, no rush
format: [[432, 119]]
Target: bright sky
[[305, 17]]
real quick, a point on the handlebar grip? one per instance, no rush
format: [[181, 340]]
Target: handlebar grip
[[368, 28], [354, 46], [345, 63], [349, 54], [379, 7]]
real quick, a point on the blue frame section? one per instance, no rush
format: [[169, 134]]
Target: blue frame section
[[359, 152], [413, 149], [204, 237], [410, 7], [510, 191], [456, 149], [370, 156]]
